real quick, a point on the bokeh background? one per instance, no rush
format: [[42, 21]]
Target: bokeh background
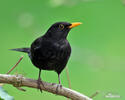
[[98, 45]]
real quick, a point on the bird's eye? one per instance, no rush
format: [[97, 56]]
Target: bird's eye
[[61, 26]]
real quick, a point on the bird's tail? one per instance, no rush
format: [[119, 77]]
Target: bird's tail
[[26, 50]]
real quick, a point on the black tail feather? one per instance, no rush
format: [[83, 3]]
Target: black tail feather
[[26, 50]]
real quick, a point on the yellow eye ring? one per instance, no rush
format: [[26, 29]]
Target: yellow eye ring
[[61, 26]]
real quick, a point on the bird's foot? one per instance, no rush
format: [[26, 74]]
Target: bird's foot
[[40, 82], [58, 86]]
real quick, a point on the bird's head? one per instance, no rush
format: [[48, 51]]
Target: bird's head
[[60, 30]]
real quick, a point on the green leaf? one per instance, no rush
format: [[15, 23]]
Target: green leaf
[[4, 95]]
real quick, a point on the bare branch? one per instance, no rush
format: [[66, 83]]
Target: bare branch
[[15, 65], [96, 93], [69, 82], [67, 74], [20, 81]]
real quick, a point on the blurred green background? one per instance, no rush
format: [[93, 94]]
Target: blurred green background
[[98, 51]]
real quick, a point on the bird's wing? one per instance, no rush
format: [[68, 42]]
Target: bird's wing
[[42, 49]]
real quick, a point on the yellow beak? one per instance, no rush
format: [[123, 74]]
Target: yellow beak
[[74, 24]]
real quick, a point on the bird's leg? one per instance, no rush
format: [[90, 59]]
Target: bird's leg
[[59, 85], [59, 80], [39, 81]]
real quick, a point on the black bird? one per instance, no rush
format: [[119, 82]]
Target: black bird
[[52, 50]]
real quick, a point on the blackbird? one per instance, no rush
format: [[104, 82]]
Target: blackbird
[[52, 50]]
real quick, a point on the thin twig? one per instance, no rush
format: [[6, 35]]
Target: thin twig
[[69, 82], [52, 88], [12, 70], [95, 94], [15, 65], [67, 74]]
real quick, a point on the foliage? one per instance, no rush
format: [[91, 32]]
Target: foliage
[[4, 95], [1, 99]]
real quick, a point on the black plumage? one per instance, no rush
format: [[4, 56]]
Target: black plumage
[[52, 50]]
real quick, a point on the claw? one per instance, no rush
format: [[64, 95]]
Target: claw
[[58, 86], [40, 82]]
